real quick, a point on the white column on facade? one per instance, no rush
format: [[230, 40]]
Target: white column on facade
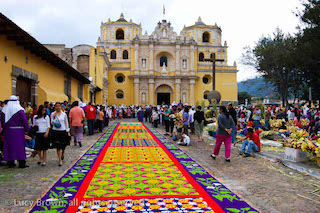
[[191, 90], [178, 90], [136, 83], [178, 62], [151, 50], [136, 58], [192, 59], [151, 92]]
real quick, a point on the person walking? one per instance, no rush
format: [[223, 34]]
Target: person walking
[[155, 117], [60, 131], [76, 121], [101, 119], [91, 116], [233, 114], [166, 113], [225, 127], [185, 120], [41, 124], [15, 124], [199, 122], [257, 117]]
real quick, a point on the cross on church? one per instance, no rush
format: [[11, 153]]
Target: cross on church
[[213, 60]]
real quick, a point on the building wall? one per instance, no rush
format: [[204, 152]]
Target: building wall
[[51, 79], [142, 81]]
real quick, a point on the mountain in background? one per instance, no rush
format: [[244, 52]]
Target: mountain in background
[[257, 87]]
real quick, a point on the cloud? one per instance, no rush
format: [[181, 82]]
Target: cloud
[[74, 22]]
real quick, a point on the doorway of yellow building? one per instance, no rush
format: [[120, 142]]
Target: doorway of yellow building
[[163, 98]]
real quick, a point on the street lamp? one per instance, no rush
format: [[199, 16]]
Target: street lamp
[[214, 94]]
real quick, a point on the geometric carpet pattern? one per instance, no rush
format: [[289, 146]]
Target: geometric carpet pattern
[[133, 168]]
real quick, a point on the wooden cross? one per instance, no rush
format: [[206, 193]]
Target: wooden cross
[[213, 60]]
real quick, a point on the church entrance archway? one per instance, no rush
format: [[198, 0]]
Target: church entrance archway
[[164, 94]]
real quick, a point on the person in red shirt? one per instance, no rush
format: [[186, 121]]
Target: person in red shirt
[[91, 116], [253, 143]]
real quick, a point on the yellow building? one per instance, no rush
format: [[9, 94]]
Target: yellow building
[[32, 72], [89, 62], [164, 67]]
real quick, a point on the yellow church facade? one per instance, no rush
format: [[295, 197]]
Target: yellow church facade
[[164, 67]]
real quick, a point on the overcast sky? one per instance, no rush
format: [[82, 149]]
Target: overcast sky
[[74, 22]]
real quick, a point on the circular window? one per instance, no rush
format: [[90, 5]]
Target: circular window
[[119, 94], [119, 78], [205, 80]]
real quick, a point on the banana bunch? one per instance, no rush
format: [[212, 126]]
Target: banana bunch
[[305, 122], [276, 123]]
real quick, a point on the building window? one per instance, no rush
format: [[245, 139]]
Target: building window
[[80, 91], [113, 54], [205, 94], [206, 79], [125, 54], [119, 94], [120, 34], [67, 86], [144, 62], [201, 57], [163, 60], [119, 78], [206, 37]]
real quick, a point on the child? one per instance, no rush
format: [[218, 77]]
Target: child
[[185, 141], [242, 121]]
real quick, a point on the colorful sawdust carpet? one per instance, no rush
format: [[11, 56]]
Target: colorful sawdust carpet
[[133, 168]]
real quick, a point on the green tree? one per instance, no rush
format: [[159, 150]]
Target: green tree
[[242, 96], [273, 58], [309, 44]]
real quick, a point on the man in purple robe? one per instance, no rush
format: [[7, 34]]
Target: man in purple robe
[[15, 124]]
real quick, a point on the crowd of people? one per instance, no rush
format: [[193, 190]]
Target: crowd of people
[[30, 131], [53, 125]]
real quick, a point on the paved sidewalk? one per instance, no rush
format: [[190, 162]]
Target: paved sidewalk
[[20, 188]]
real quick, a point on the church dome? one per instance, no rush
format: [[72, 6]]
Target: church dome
[[199, 22], [121, 19]]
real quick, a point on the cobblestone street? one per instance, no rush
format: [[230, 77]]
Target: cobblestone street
[[267, 186]]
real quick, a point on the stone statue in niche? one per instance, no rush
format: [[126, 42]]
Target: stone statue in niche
[[164, 70], [184, 64], [143, 97], [164, 33], [144, 63]]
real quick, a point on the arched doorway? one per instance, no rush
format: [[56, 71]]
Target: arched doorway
[[164, 94]]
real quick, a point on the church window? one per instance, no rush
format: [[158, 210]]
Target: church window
[[201, 57], [119, 78], [206, 79], [125, 54], [205, 94], [119, 94], [120, 34], [163, 60], [211, 55], [206, 37], [113, 54]]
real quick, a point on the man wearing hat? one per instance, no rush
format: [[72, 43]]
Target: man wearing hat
[[15, 124]]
